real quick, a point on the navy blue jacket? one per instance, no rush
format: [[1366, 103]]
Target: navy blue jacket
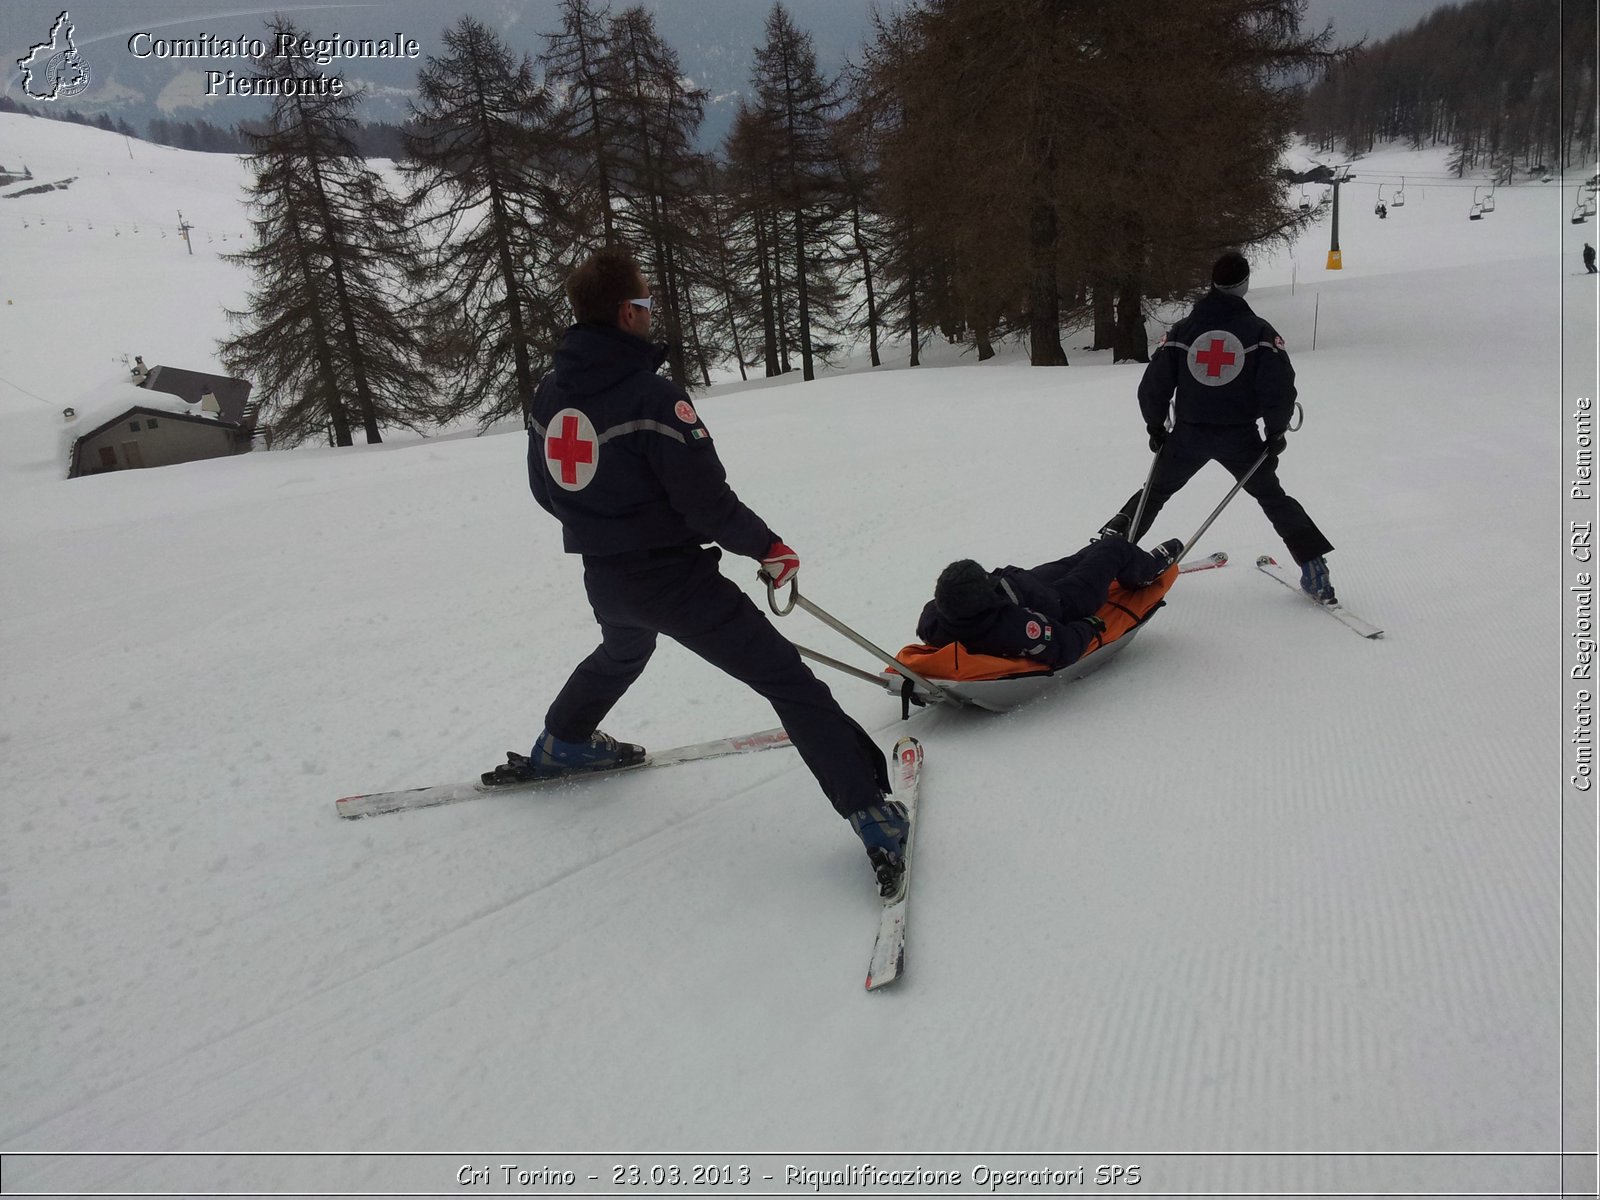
[[1026, 622], [620, 457], [1226, 364]]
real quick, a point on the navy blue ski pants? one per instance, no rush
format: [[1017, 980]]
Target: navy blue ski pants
[[1189, 447], [681, 593], [1081, 581]]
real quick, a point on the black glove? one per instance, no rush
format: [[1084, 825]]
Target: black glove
[[1158, 437], [1277, 443]]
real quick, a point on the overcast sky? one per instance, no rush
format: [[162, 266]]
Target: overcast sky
[[714, 37], [1375, 18]]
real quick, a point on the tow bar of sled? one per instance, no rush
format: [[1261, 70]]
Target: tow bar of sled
[[911, 687]]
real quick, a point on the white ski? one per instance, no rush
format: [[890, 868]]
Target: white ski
[[1209, 563], [1270, 567], [450, 793], [889, 952]]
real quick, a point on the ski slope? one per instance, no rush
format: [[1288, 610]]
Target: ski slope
[[1258, 886]]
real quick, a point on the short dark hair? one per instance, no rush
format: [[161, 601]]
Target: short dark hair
[[607, 278]]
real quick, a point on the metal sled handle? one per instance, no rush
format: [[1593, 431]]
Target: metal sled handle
[[840, 627], [772, 594]]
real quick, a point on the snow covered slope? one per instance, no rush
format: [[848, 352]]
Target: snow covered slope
[[1259, 886]]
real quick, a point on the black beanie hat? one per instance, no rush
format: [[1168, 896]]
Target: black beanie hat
[[964, 592], [1231, 274]]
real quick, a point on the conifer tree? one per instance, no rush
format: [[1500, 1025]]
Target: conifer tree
[[796, 106], [482, 156], [658, 173], [578, 67], [325, 339]]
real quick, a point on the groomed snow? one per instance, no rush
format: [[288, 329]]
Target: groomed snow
[[1258, 886]]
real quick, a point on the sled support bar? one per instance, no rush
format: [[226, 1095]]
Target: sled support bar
[[882, 680], [838, 626]]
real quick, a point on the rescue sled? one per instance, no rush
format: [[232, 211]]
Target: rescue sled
[[999, 684], [924, 675]]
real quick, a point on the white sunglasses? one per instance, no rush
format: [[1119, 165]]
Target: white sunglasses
[[647, 303]]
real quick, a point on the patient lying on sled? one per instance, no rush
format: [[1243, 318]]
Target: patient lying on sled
[[1046, 614]]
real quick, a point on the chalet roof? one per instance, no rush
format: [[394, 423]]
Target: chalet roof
[[232, 394]]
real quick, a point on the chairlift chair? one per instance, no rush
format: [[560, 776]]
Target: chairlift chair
[[1305, 200], [1488, 202], [1378, 207], [1399, 200], [1477, 212]]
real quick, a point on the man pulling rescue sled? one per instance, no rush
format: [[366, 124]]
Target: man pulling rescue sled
[[620, 457], [1221, 369]]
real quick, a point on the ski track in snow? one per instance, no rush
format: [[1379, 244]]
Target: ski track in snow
[[1259, 885]]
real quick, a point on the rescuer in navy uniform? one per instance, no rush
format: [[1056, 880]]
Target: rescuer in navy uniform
[[1229, 369], [618, 454]]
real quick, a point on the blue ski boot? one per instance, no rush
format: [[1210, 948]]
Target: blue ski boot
[[1314, 580], [551, 757], [883, 829]]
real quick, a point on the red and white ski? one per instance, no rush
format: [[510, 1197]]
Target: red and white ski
[[375, 803], [889, 951], [1209, 563]]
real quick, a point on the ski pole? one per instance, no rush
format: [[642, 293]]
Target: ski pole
[[1298, 420], [840, 627]]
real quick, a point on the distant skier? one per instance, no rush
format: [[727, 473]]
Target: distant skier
[[1228, 369], [620, 457], [1046, 613], [1588, 258], [1383, 210]]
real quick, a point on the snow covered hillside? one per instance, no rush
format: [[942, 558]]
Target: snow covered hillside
[[1260, 885]]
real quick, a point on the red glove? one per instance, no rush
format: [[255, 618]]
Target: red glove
[[780, 564]]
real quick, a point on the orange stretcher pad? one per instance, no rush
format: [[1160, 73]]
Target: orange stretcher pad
[[1124, 611]]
